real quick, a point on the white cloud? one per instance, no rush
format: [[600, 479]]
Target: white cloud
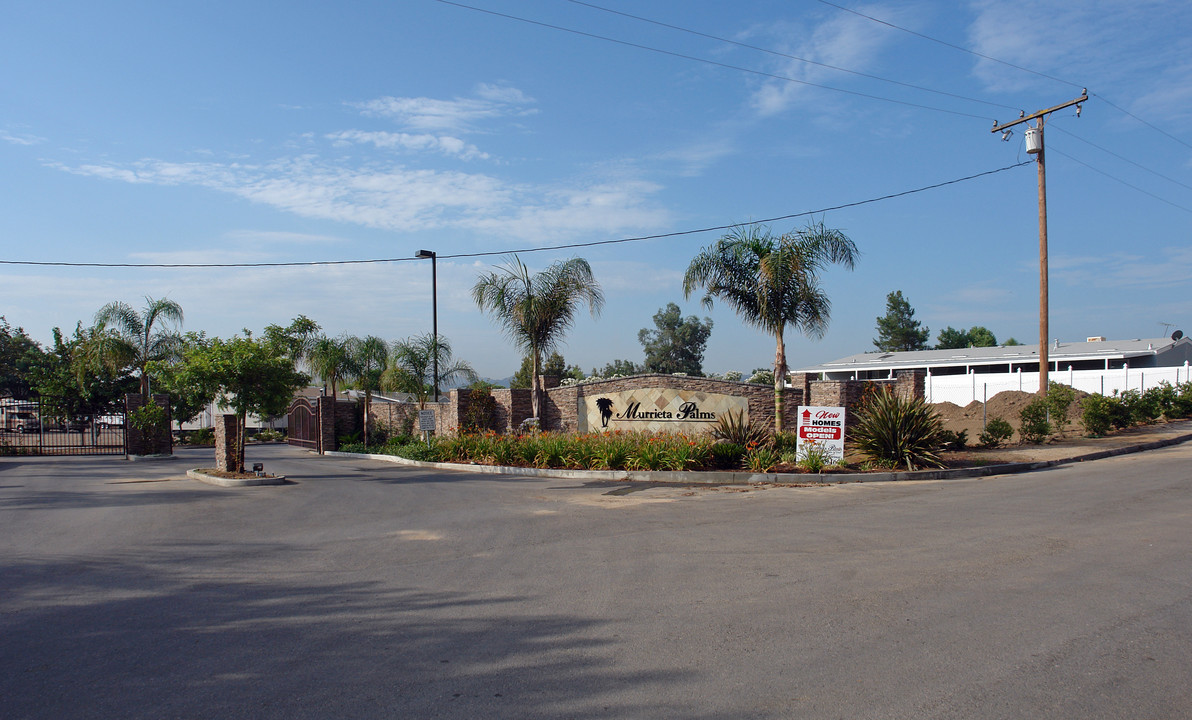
[[445, 144], [20, 138], [459, 114], [694, 159], [844, 40], [397, 198], [269, 237], [1119, 47], [1169, 267]]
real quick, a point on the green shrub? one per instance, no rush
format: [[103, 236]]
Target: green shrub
[[1034, 427], [761, 459], [685, 454], [899, 432], [202, 436], [1059, 400], [1143, 408], [953, 440], [733, 427], [613, 453], [1181, 406], [784, 442], [1097, 413], [649, 455], [553, 451], [997, 431], [725, 455], [813, 457], [268, 435]]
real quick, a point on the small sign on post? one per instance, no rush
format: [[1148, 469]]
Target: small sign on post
[[820, 429], [426, 423]]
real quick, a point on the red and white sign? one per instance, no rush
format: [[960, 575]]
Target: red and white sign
[[820, 429]]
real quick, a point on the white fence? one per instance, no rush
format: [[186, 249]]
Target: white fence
[[964, 389]]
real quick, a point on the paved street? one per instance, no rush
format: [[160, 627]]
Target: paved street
[[365, 589]]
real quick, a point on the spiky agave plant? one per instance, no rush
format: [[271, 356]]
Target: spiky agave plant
[[733, 427], [898, 432]]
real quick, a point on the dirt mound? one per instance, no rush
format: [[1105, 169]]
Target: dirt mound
[[1005, 405]]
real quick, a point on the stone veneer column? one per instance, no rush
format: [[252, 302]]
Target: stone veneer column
[[225, 442]]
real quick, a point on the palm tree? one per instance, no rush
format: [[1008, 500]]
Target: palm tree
[[411, 366], [537, 309], [128, 338], [772, 282], [370, 355], [331, 359]]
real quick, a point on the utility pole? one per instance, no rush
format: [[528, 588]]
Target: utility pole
[[1034, 146]]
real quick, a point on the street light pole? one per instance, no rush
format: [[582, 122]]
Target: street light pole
[[434, 293]]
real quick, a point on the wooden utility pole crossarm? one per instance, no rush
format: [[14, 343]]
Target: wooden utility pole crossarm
[[1035, 147]]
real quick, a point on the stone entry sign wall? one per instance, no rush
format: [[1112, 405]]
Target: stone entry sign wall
[[657, 410]]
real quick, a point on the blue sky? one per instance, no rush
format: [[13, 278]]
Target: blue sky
[[256, 132]]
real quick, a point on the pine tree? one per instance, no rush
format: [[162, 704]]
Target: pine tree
[[898, 329]]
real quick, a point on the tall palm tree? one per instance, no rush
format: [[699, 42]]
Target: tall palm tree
[[536, 309], [331, 359], [411, 366], [772, 282], [370, 355], [127, 337]]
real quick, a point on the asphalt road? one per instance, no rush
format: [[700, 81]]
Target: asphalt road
[[368, 590]]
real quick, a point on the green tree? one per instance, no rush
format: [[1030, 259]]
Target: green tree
[[76, 380], [619, 367], [677, 344], [370, 357], [189, 393], [411, 367], [952, 339], [898, 329], [982, 337], [772, 282], [126, 337], [19, 354], [253, 376], [554, 366], [330, 359], [1011, 343], [977, 336], [297, 340], [536, 309], [761, 376]]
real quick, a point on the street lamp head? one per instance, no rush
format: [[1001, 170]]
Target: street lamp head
[[425, 254]]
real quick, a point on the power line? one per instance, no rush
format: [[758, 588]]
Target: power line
[[948, 44], [1120, 157], [570, 246], [706, 61], [1105, 100], [789, 56], [1117, 179], [1008, 64]]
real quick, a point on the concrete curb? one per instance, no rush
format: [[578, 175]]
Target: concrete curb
[[235, 482], [746, 478], [151, 458]]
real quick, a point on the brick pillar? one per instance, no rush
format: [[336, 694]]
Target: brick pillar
[[802, 382], [154, 441], [226, 455], [911, 384], [326, 411]]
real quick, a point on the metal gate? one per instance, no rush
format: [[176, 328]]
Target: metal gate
[[49, 426], [303, 424]]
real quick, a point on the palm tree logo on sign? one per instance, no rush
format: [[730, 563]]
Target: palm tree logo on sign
[[606, 410]]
